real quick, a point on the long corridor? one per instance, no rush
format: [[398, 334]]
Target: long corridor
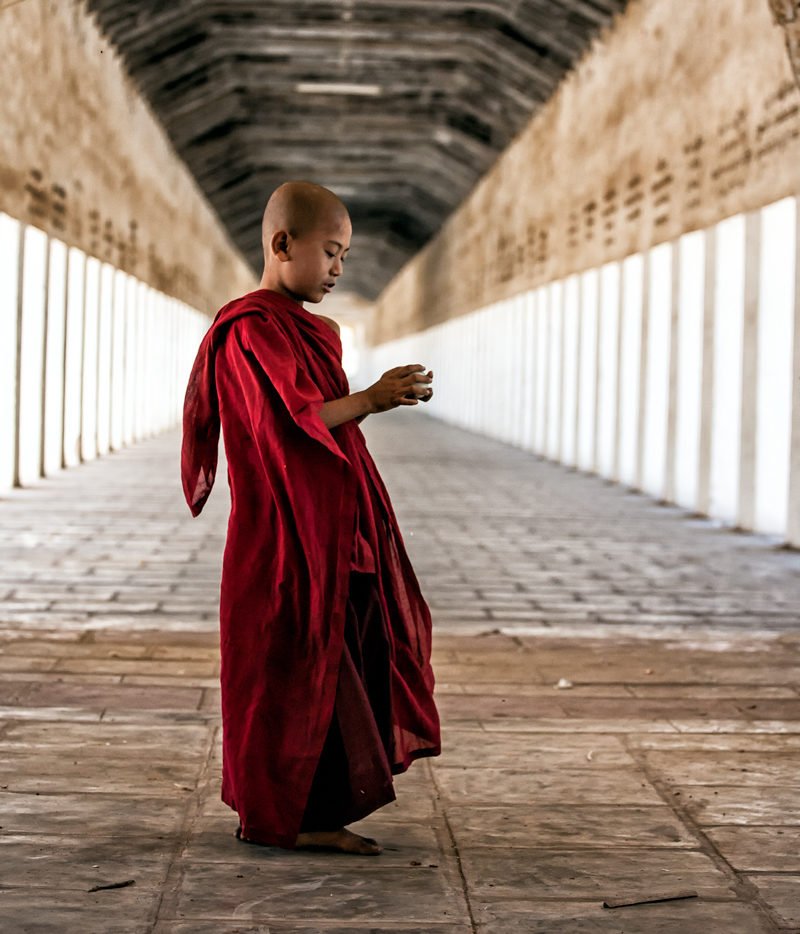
[[619, 684]]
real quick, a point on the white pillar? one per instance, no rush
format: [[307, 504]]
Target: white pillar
[[54, 360], [571, 377], [529, 338], [10, 267], [587, 365], [707, 378], [116, 428], [105, 337], [793, 525], [31, 339], [542, 366], [644, 332], [131, 386], [747, 450], [554, 371], [90, 360], [618, 382], [73, 369], [672, 376], [608, 368], [774, 368]]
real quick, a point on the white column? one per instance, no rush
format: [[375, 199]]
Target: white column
[[180, 343], [141, 360], [654, 455], [644, 331], [727, 368], [149, 351], [468, 391], [131, 385], [104, 342], [774, 368], [118, 340], [173, 363], [554, 370], [542, 358], [707, 377], [507, 411], [672, 372], [571, 358], [73, 368], [562, 415], [747, 450], [484, 371], [530, 369], [634, 292], [688, 338], [518, 369], [159, 354], [54, 360], [31, 362], [90, 360], [793, 524], [617, 443], [595, 411], [587, 363], [608, 370], [10, 254]]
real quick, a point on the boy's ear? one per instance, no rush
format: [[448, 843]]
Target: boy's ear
[[279, 244]]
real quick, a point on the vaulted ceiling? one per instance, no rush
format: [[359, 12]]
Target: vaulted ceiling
[[399, 106]]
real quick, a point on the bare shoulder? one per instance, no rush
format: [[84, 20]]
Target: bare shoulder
[[330, 322]]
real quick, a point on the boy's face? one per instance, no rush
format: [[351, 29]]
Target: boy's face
[[312, 262]]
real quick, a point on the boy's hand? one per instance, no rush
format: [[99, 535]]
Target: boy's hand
[[402, 385]]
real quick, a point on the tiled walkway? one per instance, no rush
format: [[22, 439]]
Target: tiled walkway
[[667, 761]]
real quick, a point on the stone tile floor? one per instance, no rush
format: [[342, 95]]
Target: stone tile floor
[[670, 763]]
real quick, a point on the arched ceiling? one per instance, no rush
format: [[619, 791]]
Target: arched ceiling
[[399, 106]]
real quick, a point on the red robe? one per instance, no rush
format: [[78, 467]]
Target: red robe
[[308, 509]]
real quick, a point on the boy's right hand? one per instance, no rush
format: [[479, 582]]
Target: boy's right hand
[[396, 386]]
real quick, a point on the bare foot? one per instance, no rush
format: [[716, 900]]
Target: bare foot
[[341, 841]]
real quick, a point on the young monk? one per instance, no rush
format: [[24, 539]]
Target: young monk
[[327, 689]]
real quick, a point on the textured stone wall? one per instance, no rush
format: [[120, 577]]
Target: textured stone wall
[[787, 14], [682, 114], [82, 156]]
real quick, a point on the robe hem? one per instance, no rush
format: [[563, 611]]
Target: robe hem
[[399, 767]]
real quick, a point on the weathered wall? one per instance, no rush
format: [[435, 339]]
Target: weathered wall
[[82, 156], [787, 14], [682, 114]]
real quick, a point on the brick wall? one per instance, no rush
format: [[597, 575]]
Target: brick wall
[[683, 114], [82, 157]]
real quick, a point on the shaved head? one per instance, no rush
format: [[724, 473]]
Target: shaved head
[[299, 207], [306, 234]]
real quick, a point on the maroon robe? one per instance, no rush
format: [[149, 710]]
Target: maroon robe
[[325, 637]]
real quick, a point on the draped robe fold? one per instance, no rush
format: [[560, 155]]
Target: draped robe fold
[[308, 509]]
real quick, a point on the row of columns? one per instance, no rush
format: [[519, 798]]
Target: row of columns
[[674, 371], [91, 358]]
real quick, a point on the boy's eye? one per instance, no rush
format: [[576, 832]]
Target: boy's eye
[[328, 252]]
